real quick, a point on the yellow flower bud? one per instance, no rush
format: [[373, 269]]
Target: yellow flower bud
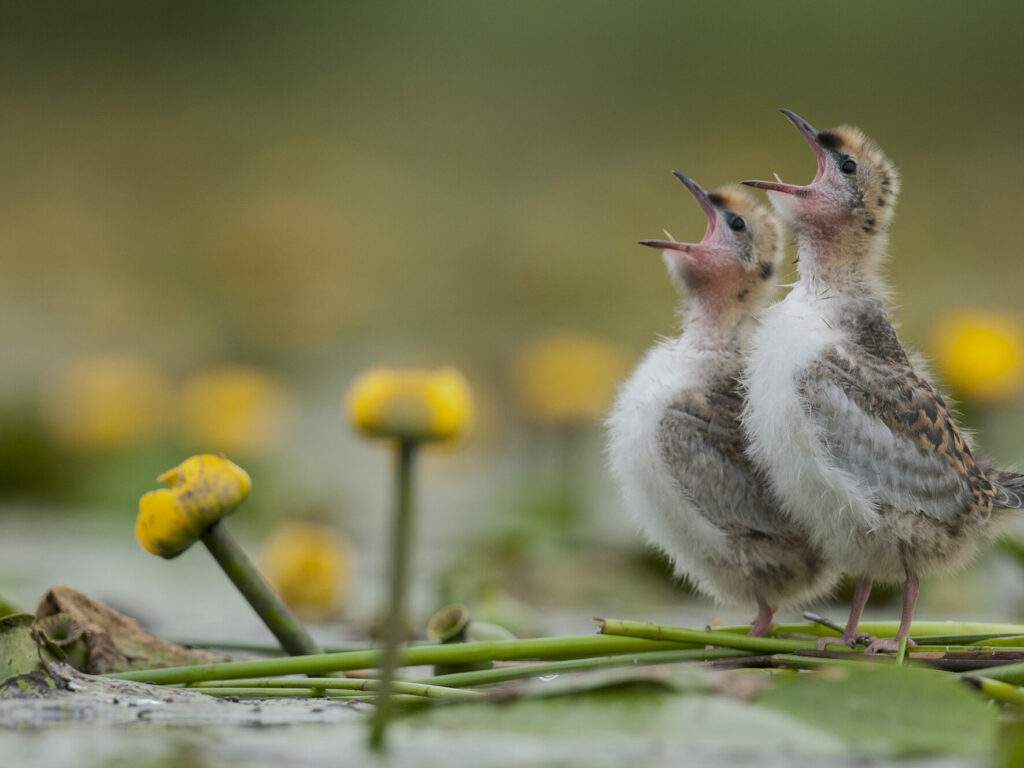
[[981, 354], [569, 379], [411, 404], [203, 489], [311, 567]]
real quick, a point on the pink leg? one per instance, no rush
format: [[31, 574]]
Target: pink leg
[[910, 589], [764, 618], [860, 598]]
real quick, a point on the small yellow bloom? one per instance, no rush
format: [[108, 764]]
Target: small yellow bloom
[[981, 354], [236, 410], [311, 567], [203, 489], [411, 404], [106, 402], [569, 379]]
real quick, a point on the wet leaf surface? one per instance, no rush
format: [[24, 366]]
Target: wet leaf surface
[[888, 709]]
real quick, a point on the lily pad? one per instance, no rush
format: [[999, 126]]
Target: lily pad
[[21, 665], [665, 709], [888, 709]]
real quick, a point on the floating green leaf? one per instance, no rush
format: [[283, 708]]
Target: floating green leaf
[[21, 668], [888, 709]]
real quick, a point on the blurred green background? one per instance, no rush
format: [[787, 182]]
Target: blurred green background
[[213, 215]]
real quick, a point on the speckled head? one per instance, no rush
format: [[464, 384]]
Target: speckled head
[[854, 189], [739, 255]]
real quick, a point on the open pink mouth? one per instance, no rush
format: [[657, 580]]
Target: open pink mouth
[[820, 154], [709, 210]]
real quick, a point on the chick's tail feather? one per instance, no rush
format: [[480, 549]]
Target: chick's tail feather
[[1009, 489]]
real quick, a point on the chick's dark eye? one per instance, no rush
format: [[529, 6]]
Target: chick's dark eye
[[849, 166], [737, 224]]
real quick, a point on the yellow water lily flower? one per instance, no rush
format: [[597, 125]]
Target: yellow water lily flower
[[203, 489], [981, 354], [569, 378], [312, 567], [106, 402], [236, 409], [415, 405]]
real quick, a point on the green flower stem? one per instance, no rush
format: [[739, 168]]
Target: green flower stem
[[344, 684], [901, 651], [1007, 673], [541, 648], [917, 628], [1013, 641], [257, 693], [394, 624], [279, 620], [996, 689], [988, 640], [706, 637], [262, 649], [489, 676], [397, 699]]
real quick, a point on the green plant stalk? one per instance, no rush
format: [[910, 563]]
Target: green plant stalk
[[397, 699], [259, 693], [706, 637], [988, 640], [279, 620], [1007, 673], [901, 651], [489, 676], [996, 689], [345, 684], [1013, 641], [890, 628], [401, 537], [541, 648], [264, 649]]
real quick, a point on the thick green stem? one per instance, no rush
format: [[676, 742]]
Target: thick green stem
[[344, 684], [401, 537], [1007, 673], [279, 620], [541, 648], [489, 676], [706, 637], [996, 689], [257, 693]]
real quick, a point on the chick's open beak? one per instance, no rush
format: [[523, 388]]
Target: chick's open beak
[[709, 210], [820, 154]]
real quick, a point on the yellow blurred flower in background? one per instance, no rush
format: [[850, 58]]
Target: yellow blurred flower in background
[[312, 567], [981, 354], [236, 410], [106, 402], [568, 378], [413, 404]]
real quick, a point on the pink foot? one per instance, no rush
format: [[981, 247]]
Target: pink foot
[[887, 645], [760, 625], [846, 639]]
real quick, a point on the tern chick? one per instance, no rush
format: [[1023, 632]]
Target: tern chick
[[675, 442], [856, 442]]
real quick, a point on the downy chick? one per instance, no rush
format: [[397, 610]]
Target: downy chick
[[859, 447], [675, 442]]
